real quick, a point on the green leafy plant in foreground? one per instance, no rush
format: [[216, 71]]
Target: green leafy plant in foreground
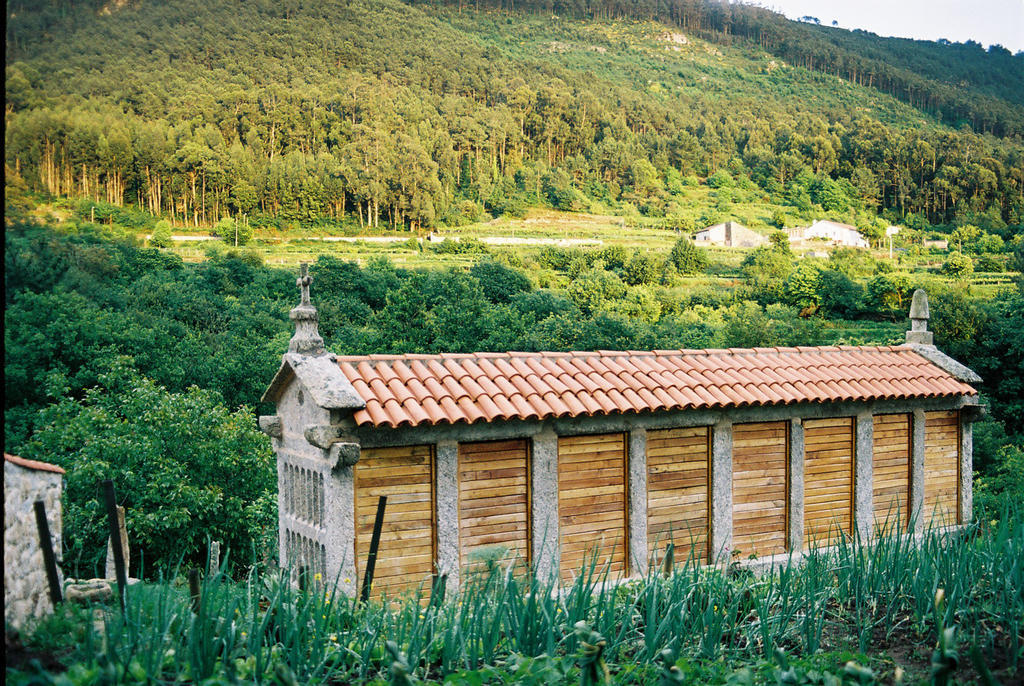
[[800, 624]]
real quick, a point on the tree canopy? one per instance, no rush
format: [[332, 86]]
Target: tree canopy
[[356, 111]]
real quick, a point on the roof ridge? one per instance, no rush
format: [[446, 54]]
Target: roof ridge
[[657, 352]]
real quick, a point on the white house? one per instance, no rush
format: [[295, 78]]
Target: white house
[[731, 235], [835, 232]]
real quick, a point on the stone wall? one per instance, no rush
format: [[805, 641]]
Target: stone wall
[[25, 588]]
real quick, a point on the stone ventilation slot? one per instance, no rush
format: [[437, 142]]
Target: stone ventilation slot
[[303, 552], [303, 495]]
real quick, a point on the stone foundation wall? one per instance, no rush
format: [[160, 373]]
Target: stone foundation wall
[[25, 588]]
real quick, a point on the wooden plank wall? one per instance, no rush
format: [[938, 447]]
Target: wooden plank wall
[[405, 475], [828, 480], [494, 503], [592, 502], [941, 468], [678, 469], [759, 464], [891, 488]]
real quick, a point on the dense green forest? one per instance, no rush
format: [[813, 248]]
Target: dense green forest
[[379, 113], [123, 360]]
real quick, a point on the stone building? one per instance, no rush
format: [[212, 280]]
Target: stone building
[[26, 593], [543, 456], [731, 235]]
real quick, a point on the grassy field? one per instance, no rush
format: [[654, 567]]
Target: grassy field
[[539, 227]]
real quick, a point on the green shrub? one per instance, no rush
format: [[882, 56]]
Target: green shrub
[[958, 265], [175, 459], [499, 283], [686, 258], [233, 232], [161, 237], [803, 286], [989, 264], [641, 269]]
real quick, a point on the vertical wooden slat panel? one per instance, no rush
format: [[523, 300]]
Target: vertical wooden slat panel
[[592, 502], [828, 480], [494, 502], [891, 488], [759, 459], [942, 468], [405, 475], [677, 490]]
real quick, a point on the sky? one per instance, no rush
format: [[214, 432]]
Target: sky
[[985, 21]]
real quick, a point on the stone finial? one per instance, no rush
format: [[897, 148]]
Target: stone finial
[[919, 332], [307, 338]]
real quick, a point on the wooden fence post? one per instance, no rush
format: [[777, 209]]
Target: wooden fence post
[[115, 542], [371, 558], [49, 562]]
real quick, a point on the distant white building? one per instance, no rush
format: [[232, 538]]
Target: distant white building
[[731, 235], [834, 232]]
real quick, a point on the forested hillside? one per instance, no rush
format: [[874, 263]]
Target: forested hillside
[[377, 112]]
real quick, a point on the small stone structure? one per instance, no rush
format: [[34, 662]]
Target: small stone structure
[[26, 593], [548, 457]]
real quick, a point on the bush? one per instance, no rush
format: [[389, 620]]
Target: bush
[[499, 283], [958, 265], [839, 295], [686, 258], [175, 459], [510, 205], [1007, 484], [765, 267], [990, 264], [641, 269], [161, 237], [720, 179], [560, 192], [803, 287], [559, 259], [593, 288], [464, 246], [887, 294], [233, 232], [852, 262]]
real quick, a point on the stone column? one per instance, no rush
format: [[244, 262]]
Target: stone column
[[966, 467], [795, 534], [864, 476], [282, 507], [721, 492], [917, 471], [638, 501], [447, 505], [340, 527], [544, 506]]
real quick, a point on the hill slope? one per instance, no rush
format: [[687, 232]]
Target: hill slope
[[378, 111]]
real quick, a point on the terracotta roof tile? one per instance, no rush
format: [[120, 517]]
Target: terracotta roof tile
[[33, 464], [436, 389]]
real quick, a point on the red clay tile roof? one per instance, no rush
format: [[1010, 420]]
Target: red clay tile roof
[[33, 464], [409, 390]]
